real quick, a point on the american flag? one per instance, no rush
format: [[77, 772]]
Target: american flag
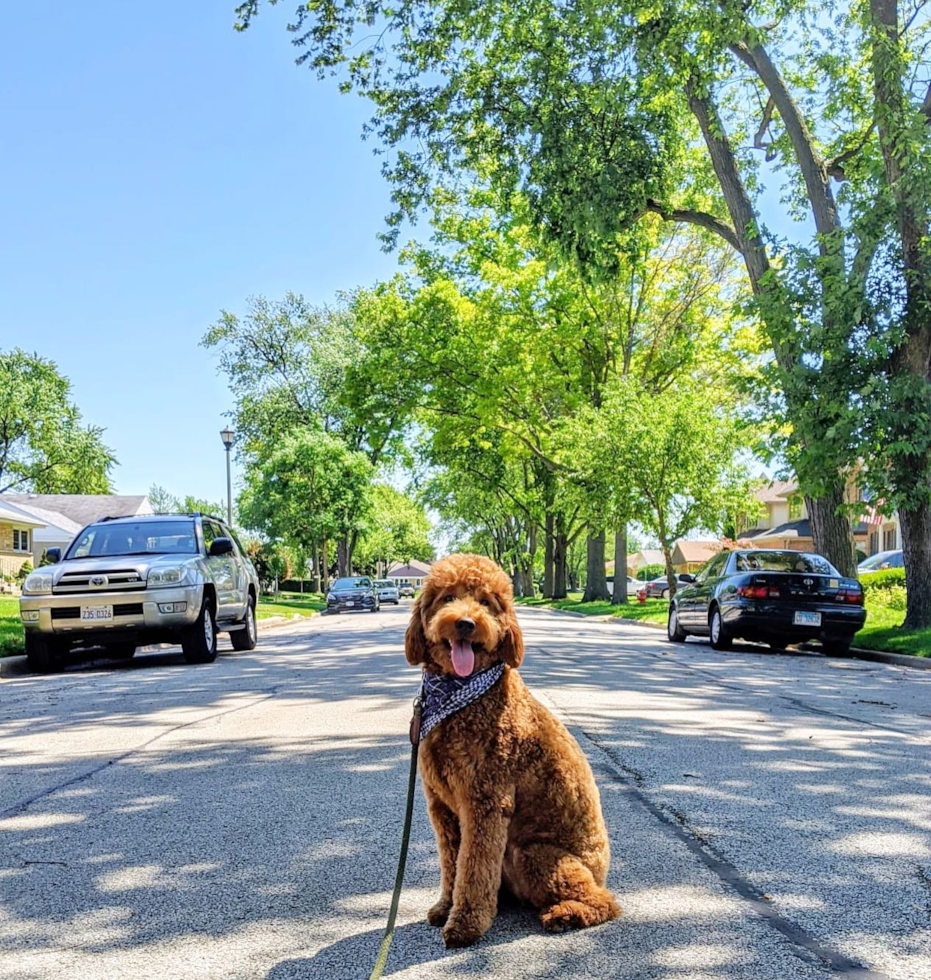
[[870, 514]]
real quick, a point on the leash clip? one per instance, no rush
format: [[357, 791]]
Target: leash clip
[[415, 721]]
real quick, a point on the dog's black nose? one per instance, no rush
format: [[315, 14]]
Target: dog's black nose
[[465, 626]]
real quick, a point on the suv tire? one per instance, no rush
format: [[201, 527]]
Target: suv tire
[[44, 654], [199, 641], [247, 637]]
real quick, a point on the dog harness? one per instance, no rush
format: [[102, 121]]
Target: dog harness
[[446, 696]]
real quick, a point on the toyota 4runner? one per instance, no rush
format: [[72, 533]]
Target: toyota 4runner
[[130, 581]]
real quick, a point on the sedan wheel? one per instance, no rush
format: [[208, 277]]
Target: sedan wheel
[[673, 629], [719, 637]]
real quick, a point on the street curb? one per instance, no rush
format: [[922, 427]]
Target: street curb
[[875, 656]]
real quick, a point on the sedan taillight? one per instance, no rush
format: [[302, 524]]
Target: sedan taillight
[[854, 596], [758, 592]]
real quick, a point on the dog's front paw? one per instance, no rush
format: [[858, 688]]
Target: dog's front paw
[[464, 928], [439, 913]]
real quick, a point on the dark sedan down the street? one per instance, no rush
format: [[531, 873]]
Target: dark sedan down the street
[[776, 597]]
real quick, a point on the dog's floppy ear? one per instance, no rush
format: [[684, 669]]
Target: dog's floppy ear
[[512, 642], [415, 640]]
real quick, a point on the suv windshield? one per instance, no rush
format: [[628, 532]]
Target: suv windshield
[[784, 561], [892, 559], [352, 583], [129, 538], [384, 584]]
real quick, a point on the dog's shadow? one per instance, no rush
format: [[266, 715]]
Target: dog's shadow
[[352, 958]]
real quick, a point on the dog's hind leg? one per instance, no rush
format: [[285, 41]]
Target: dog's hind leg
[[562, 887]]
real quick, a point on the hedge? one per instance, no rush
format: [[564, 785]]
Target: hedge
[[887, 578]]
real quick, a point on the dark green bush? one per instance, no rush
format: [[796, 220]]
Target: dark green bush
[[650, 572], [887, 578]]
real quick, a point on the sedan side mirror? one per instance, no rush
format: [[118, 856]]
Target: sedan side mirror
[[685, 577], [221, 546], [53, 555]]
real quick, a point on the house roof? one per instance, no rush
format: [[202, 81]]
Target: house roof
[[414, 570], [49, 518], [649, 556], [422, 566], [791, 529], [83, 508], [14, 517], [696, 551], [776, 491]]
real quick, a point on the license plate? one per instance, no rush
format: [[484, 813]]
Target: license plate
[[96, 614], [807, 619], [350, 603]]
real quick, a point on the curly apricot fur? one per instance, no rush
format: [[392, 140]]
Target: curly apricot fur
[[511, 797]]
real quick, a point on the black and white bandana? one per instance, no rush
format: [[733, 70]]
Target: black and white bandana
[[445, 696]]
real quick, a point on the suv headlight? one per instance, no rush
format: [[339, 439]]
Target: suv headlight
[[168, 576], [38, 583]]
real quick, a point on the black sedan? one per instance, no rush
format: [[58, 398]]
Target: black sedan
[[355, 593], [776, 597]]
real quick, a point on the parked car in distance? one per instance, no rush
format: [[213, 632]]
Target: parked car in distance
[[633, 586], [406, 590], [658, 588], [356, 592], [129, 581], [881, 561], [776, 597], [387, 591]]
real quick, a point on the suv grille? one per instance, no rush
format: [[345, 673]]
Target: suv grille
[[118, 580]]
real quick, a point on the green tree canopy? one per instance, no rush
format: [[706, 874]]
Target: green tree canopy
[[44, 446]]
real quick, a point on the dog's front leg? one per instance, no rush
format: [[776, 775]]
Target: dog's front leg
[[446, 828], [484, 828]]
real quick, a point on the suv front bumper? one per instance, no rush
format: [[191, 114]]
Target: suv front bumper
[[132, 611]]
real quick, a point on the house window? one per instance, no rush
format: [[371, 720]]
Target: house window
[[20, 540], [795, 507], [874, 542], [889, 539]]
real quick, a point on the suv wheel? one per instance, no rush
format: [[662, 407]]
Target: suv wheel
[[720, 638], [199, 641], [44, 654], [247, 637]]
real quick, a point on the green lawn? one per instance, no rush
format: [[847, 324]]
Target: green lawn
[[290, 604], [11, 629], [882, 631]]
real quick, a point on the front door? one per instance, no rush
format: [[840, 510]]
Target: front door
[[224, 573]]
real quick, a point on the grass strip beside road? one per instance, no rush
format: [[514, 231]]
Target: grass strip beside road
[[290, 604], [11, 627], [652, 611]]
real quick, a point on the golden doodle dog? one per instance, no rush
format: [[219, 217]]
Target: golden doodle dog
[[511, 796]]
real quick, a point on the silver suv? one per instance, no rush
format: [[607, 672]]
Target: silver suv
[[130, 581]]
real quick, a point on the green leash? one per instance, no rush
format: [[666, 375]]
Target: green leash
[[405, 840]]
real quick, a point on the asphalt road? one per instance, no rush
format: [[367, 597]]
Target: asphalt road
[[770, 814]]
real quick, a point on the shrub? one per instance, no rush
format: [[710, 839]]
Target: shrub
[[894, 597], [23, 572], [650, 572], [888, 578]]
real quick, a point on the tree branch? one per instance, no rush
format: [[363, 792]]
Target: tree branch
[[835, 167], [693, 217]]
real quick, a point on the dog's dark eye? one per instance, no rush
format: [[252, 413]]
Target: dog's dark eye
[[449, 598], [485, 602]]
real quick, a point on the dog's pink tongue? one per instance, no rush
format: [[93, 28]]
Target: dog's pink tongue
[[463, 657]]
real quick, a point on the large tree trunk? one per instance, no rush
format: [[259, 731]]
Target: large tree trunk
[[619, 596], [832, 532], [315, 575], [325, 566], [560, 558], [671, 580], [596, 584], [342, 557], [548, 576], [916, 550], [527, 588]]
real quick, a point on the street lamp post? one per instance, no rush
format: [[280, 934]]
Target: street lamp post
[[227, 435]]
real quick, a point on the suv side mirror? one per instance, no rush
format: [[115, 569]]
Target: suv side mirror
[[53, 555], [221, 546]]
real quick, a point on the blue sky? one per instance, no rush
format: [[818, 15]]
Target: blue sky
[[157, 167]]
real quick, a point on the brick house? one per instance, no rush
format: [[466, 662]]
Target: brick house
[[16, 532]]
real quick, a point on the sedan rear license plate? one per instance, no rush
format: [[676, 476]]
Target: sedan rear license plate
[[96, 614], [807, 619]]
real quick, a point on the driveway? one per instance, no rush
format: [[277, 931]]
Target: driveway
[[770, 814]]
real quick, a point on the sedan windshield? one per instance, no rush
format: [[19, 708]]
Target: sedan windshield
[[784, 561], [384, 584], [129, 538], [352, 583], [885, 559]]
